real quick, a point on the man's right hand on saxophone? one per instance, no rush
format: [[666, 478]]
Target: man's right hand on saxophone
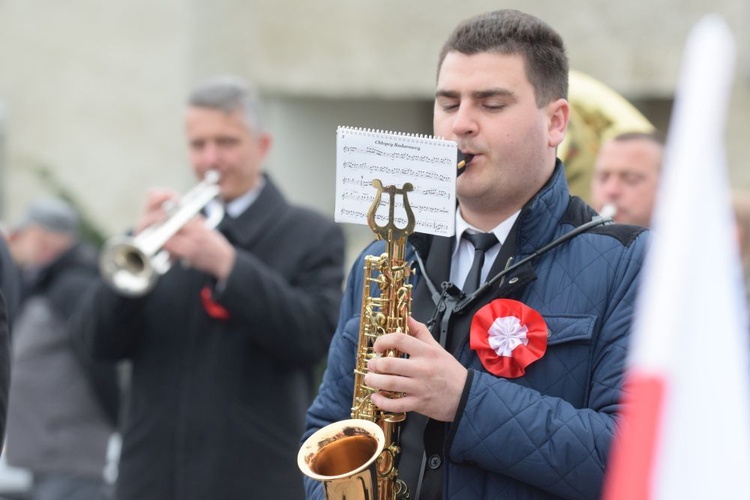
[[430, 378]]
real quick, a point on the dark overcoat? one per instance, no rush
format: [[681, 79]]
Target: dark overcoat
[[217, 406]]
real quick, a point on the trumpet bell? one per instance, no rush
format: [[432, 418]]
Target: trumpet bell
[[128, 269]]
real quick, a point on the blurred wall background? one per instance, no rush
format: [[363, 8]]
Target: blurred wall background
[[91, 93]]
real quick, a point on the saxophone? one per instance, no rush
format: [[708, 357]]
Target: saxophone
[[355, 458]]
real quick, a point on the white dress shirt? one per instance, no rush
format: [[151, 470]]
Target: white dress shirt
[[463, 250], [235, 207]]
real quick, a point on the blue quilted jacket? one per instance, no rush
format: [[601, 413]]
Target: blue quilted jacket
[[546, 434]]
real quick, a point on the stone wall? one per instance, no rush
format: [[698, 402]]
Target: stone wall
[[93, 91]]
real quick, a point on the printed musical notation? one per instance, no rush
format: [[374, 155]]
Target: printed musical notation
[[374, 170], [361, 183], [425, 159], [429, 164]]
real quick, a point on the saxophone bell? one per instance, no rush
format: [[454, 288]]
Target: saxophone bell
[[343, 456]]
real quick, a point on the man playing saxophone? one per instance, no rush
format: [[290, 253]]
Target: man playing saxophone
[[223, 348], [516, 347]]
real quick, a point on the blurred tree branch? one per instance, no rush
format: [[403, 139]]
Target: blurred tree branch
[[90, 231]]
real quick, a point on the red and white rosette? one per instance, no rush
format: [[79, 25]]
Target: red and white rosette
[[508, 336]]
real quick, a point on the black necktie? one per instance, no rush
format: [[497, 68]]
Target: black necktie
[[225, 227], [482, 242]]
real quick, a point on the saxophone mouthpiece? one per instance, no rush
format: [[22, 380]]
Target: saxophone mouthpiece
[[463, 160]]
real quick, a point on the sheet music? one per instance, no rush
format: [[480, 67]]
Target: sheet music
[[429, 164]]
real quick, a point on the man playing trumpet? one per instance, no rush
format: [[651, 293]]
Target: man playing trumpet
[[224, 345]]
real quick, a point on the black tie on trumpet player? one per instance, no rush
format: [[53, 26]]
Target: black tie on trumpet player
[[482, 242]]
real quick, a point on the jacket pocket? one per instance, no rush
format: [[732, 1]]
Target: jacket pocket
[[569, 328], [564, 369]]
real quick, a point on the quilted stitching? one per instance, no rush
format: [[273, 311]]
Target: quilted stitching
[[527, 438], [560, 281]]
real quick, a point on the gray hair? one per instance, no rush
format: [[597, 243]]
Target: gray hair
[[53, 214], [654, 136], [229, 94]]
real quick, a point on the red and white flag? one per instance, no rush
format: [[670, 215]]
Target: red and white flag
[[685, 431]]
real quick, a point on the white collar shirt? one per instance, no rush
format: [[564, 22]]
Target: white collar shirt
[[463, 250], [236, 207]]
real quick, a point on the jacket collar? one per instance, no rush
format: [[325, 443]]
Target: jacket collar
[[535, 226], [257, 218], [539, 218], [79, 256]]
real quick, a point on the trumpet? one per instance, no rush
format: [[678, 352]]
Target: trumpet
[[131, 265], [608, 211]]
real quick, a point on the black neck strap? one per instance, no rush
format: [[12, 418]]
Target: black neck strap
[[452, 300]]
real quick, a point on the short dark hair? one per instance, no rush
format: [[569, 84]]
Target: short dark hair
[[510, 31]]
